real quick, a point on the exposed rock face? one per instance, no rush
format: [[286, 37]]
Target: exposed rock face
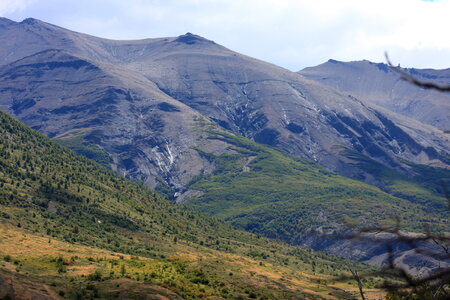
[[276, 107], [147, 134], [420, 258], [378, 84], [116, 84]]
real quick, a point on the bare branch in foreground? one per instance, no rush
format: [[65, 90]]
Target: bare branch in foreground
[[358, 280], [409, 78], [435, 285]]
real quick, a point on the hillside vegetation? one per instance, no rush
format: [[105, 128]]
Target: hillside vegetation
[[71, 228], [267, 192]]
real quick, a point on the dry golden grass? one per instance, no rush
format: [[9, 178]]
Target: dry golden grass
[[17, 242]]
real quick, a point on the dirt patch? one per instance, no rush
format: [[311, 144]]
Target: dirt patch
[[82, 270], [189, 194], [245, 167]]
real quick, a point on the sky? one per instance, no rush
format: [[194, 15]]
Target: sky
[[290, 33]]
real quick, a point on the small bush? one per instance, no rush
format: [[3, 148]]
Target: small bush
[[96, 276]]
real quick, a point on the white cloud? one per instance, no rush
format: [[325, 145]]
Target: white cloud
[[291, 33], [11, 6]]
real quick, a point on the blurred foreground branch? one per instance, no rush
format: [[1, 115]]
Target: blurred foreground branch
[[409, 78], [399, 282], [428, 248]]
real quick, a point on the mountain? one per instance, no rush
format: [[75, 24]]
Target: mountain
[[202, 123], [149, 85], [377, 83], [69, 227], [121, 117]]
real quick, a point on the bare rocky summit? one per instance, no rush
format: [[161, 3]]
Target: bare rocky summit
[[377, 83]]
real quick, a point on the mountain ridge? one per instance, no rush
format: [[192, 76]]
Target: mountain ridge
[[378, 84], [272, 106]]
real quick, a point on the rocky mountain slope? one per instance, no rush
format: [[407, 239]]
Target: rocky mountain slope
[[120, 118], [378, 84], [187, 76]]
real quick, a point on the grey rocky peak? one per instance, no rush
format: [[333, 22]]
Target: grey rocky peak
[[274, 106], [378, 84], [191, 39], [31, 21], [5, 21]]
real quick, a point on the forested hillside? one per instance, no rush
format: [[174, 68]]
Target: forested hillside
[[59, 210]]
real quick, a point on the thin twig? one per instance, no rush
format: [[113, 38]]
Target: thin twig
[[409, 78], [358, 280]]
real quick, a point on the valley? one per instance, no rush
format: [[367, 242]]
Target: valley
[[200, 172], [71, 227]]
